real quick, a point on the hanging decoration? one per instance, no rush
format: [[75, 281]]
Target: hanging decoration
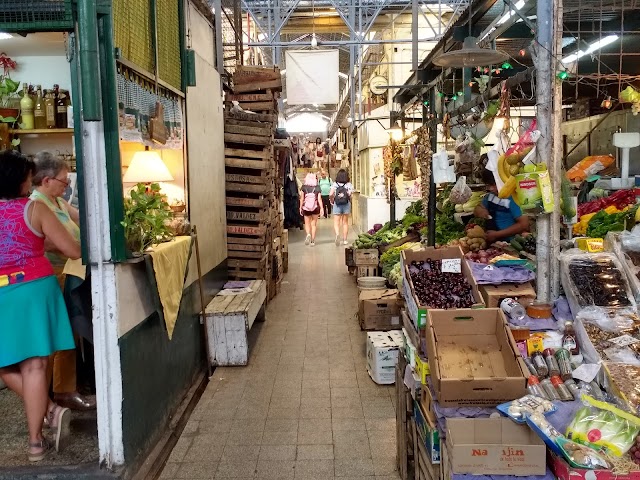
[[393, 165], [138, 106], [423, 156]]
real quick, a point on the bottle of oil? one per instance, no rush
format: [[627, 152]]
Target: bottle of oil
[[39, 111], [26, 109], [61, 109], [50, 108]]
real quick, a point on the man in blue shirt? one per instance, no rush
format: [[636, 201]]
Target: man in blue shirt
[[504, 216]]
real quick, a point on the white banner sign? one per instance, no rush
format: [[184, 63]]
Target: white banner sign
[[312, 77]]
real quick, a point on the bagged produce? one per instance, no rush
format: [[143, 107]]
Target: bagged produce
[[594, 279], [609, 428], [460, 193], [589, 166]]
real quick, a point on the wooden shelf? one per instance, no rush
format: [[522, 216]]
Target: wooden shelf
[[43, 131]]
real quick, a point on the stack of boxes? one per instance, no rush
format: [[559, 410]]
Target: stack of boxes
[[459, 359], [254, 220]]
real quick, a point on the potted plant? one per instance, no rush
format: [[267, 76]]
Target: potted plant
[[146, 218], [8, 90]]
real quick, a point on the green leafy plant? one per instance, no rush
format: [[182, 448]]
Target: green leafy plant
[[146, 217], [8, 87]]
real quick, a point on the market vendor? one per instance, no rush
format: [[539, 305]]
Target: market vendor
[[503, 215]]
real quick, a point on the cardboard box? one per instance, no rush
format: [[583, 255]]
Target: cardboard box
[[383, 349], [563, 471], [494, 294], [366, 256], [428, 433], [417, 312], [473, 358], [379, 310], [494, 446]]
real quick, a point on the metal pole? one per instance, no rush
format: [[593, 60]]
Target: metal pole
[[336, 43], [414, 34], [545, 73], [433, 131], [557, 161], [218, 31]]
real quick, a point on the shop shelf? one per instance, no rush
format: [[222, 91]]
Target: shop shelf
[[43, 131]]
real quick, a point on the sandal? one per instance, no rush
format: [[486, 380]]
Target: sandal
[[59, 421], [44, 447]]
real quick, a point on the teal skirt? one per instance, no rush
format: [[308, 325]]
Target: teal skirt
[[34, 321]]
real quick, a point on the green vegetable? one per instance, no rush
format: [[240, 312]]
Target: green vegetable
[[517, 245], [602, 223]]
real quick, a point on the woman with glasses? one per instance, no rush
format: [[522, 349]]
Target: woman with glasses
[[34, 321], [50, 182]]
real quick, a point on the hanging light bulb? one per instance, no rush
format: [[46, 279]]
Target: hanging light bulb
[[314, 41], [606, 103]]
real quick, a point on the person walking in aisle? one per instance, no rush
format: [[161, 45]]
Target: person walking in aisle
[[34, 321], [50, 182], [325, 190], [340, 194], [310, 207]]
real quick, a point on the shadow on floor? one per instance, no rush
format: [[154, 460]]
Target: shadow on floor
[[81, 450]]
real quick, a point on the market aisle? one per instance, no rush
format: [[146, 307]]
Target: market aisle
[[305, 407]]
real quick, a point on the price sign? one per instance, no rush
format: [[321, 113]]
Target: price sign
[[451, 265]]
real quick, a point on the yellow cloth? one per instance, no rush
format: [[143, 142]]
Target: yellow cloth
[[75, 268], [169, 265]]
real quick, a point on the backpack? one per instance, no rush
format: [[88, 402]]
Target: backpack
[[310, 202], [342, 194]]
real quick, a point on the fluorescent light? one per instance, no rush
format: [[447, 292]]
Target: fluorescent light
[[510, 13], [262, 36], [5, 36], [592, 48], [349, 119]]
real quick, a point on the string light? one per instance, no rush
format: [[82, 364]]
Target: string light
[[606, 103], [471, 84], [563, 75], [522, 52], [506, 66]]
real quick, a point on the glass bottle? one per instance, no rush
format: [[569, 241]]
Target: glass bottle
[[569, 341], [26, 109], [39, 111], [50, 108], [61, 109]]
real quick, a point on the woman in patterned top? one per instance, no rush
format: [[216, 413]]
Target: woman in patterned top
[[34, 321]]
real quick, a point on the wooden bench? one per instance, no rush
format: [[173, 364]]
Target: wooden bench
[[229, 318]]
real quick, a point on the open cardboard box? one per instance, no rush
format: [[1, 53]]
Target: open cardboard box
[[494, 294], [417, 312], [494, 446], [473, 358]]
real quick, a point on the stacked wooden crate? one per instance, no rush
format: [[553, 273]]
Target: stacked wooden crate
[[252, 181]]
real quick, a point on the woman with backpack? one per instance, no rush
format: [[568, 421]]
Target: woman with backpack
[[341, 191], [311, 207]]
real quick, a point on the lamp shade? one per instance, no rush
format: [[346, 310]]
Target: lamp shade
[[147, 167]]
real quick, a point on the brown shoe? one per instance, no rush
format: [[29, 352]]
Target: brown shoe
[[75, 401]]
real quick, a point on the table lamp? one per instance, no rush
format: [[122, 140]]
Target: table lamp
[[147, 167]]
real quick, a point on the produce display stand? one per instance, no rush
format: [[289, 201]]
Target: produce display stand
[[254, 221]]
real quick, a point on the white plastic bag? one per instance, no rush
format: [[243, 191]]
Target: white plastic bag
[[442, 171]]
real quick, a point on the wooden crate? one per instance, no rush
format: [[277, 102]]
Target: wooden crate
[[367, 271], [366, 256], [242, 269], [285, 262], [285, 240]]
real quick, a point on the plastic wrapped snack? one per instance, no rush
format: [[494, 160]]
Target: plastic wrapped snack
[[594, 280], [609, 335], [519, 409], [581, 456], [460, 193], [614, 432]]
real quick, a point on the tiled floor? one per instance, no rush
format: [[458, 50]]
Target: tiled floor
[[304, 407]]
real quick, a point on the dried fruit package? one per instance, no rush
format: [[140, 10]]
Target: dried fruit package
[[625, 380], [594, 279]]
